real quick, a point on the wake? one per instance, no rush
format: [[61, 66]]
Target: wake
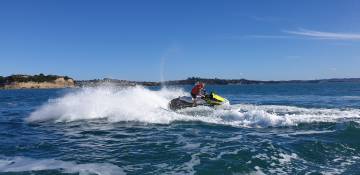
[[138, 104]]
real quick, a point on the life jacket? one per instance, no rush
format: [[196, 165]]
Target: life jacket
[[196, 89]]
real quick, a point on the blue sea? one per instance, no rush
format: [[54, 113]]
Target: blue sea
[[108, 130]]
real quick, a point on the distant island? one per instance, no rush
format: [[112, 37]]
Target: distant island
[[42, 81]]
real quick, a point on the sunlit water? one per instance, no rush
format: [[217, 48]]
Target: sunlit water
[[267, 129]]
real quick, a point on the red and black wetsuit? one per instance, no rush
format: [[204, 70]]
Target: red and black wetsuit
[[196, 90]]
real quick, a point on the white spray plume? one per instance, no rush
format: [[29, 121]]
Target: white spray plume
[[149, 106]]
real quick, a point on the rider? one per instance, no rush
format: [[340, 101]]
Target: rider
[[197, 90]]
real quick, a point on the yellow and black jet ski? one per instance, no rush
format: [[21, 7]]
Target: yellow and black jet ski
[[211, 99]]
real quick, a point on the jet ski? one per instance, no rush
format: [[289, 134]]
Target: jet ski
[[211, 99]]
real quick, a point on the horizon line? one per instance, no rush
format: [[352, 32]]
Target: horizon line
[[313, 79]]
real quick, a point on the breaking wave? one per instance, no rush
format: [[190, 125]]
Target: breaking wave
[[150, 106]]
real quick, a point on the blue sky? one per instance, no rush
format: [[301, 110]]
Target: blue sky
[[176, 39]]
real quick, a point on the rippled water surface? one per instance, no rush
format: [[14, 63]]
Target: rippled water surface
[[267, 129]]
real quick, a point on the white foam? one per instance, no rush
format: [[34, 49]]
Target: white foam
[[23, 164], [311, 132], [144, 105], [247, 115], [127, 104], [285, 158]]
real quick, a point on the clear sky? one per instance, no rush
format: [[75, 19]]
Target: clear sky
[[137, 40]]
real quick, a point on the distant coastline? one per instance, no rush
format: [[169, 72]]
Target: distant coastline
[[42, 81], [210, 81]]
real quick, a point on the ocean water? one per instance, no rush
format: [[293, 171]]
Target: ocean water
[[267, 129]]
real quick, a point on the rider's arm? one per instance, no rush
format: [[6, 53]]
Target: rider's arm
[[202, 92]]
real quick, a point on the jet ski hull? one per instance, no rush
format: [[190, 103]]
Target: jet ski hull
[[186, 102], [177, 103]]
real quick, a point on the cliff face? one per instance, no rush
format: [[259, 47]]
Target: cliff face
[[60, 82]]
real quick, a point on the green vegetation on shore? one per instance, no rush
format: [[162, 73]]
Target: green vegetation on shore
[[30, 78], [42, 79], [217, 81], [210, 81]]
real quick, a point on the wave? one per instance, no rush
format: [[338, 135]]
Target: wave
[[140, 104], [23, 164]]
